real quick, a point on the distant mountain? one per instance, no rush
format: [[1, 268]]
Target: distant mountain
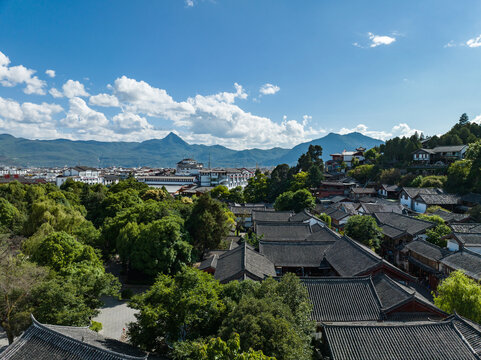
[[164, 152]]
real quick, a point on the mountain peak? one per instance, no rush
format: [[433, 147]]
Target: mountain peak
[[173, 138]]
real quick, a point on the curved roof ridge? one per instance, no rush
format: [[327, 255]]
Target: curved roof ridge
[[39, 325]]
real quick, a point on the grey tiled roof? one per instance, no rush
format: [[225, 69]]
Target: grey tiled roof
[[452, 148], [466, 260], [376, 207], [469, 239], [67, 343], [413, 192], [283, 230], [271, 216], [295, 253], [466, 227], [406, 223], [393, 341], [439, 199], [241, 263], [343, 299], [449, 216], [426, 249], [350, 258]]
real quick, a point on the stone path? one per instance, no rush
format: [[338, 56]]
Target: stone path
[[114, 316]]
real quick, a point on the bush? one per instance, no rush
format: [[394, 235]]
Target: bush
[[95, 326], [126, 294]]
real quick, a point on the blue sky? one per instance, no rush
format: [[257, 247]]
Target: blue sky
[[242, 74]]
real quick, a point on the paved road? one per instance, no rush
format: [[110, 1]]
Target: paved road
[[114, 316]]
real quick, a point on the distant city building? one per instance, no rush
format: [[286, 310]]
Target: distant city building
[[345, 157], [187, 167], [85, 174]]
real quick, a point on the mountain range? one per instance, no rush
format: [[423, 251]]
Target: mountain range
[[164, 152]]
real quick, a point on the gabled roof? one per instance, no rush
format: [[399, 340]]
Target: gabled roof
[[466, 260], [53, 342], [271, 216], [466, 227], [442, 340], [276, 231], [439, 199], [450, 216], [350, 258], [412, 192], [410, 225], [452, 148], [343, 299], [301, 216], [381, 207], [360, 190], [468, 239], [243, 262], [393, 294], [391, 188], [295, 253], [426, 249]]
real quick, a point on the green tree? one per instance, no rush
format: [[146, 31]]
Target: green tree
[[236, 195], [257, 188], [315, 176], [390, 176], [220, 192], [278, 182], [372, 155], [216, 349], [457, 179], [11, 219], [464, 119], [364, 229], [296, 201], [59, 250], [183, 307], [325, 218], [313, 156], [461, 294], [267, 324], [159, 246], [18, 278], [363, 173], [208, 224], [474, 154], [299, 181]]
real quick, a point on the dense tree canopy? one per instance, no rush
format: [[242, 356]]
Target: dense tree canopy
[[364, 229]]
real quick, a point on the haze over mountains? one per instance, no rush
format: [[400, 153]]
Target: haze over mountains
[[164, 152]]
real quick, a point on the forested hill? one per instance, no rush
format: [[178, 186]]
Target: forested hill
[[164, 152]]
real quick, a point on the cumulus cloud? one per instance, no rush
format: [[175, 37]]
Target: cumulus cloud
[[55, 93], [73, 88], [140, 97], [28, 119], [269, 89], [401, 130], [82, 117], [189, 3], [50, 73], [104, 100], [377, 40], [14, 75], [474, 42], [128, 122], [477, 120]]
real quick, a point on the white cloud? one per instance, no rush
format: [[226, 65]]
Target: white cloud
[[474, 42], [450, 44], [73, 88], [128, 122], [50, 73], [28, 112], [140, 97], [105, 100], [82, 117], [477, 120], [55, 93], [14, 75], [377, 40], [401, 130], [269, 89], [189, 3]]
